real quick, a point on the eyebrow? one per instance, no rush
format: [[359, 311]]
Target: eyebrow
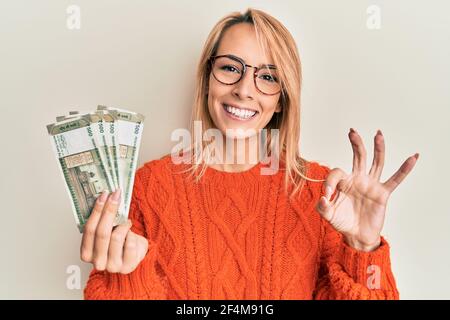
[[270, 66]]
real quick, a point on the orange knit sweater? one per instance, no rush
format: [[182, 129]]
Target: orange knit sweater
[[239, 236]]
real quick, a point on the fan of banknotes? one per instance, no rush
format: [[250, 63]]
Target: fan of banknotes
[[97, 152]]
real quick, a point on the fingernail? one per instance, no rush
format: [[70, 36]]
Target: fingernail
[[102, 198], [379, 132], [416, 156], [353, 130], [324, 203], [116, 195]]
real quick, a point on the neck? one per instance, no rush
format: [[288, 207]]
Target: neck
[[236, 155]]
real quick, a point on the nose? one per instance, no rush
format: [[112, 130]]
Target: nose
[[245, 88]]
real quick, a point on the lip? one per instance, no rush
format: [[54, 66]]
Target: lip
[[236, 118]]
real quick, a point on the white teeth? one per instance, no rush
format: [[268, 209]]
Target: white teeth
[[244, 114]]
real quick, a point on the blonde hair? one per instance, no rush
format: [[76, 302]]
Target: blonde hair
[[270, 34]]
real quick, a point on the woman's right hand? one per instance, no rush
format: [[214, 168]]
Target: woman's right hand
[[116, 250]]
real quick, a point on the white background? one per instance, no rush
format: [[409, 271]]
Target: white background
[[142, 55]]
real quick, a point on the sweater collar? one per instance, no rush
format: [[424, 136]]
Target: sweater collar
[[254, 175]]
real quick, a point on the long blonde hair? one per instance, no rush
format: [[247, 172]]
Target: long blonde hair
[[270, 34]]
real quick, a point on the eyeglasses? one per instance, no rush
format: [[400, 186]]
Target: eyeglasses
[[229, 69]]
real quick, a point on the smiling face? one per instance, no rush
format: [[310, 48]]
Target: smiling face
[[241, 105]]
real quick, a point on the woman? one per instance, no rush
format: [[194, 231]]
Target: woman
[[301, 232]]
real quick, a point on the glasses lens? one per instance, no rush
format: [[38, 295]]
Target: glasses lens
[[267, 80], [227, 70]]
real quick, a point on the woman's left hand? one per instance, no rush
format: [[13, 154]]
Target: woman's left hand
[[359, 207]]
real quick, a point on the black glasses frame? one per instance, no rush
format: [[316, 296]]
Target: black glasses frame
[[244, 70]]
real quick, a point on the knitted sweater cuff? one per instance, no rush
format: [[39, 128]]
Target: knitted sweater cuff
[[142, 283], [371, 269]]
